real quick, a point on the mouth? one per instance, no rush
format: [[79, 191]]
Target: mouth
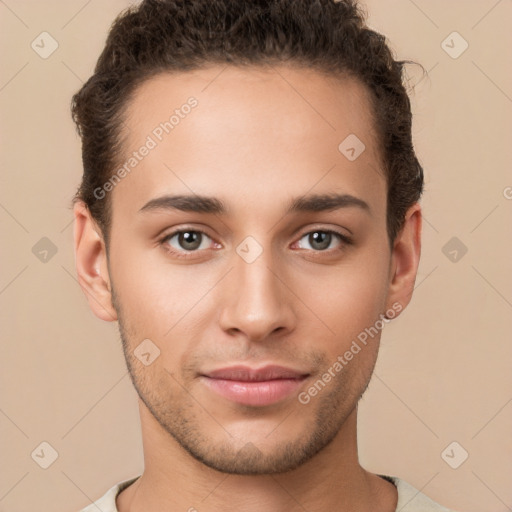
[[254, 387]]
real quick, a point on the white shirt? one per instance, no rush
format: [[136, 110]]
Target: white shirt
[[409, 498]]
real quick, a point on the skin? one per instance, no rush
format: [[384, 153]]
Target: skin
[[254, 142]]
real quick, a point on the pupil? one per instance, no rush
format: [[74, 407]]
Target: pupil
[[321, 238], [189, 240]]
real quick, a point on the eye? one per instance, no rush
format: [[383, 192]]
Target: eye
[[321, 240], [186, 240]]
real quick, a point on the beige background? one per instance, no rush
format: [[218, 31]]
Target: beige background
[[444, 368]]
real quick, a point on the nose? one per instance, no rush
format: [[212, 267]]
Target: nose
[[256, 301]]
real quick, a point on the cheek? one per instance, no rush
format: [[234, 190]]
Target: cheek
[[349, 298], [349, 301], [148, 290], [161, 302], [144, 299]]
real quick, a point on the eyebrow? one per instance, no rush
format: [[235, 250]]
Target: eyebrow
[[207, 204]]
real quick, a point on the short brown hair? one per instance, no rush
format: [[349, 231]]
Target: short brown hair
[[180, 35]]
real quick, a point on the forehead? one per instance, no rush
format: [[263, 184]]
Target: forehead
[[280, 94], [252, 131]]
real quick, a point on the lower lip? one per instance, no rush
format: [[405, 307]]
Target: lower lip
[[254, 393]]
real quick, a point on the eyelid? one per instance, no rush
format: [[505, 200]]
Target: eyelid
[[312, 229], [185, 229], [344, 241]]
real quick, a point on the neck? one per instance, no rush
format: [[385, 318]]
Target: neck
[[332, 480]]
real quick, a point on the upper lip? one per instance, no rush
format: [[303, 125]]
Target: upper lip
[[246, 373]]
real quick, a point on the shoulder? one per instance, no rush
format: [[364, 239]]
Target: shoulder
[[411, 499], [107, 503]]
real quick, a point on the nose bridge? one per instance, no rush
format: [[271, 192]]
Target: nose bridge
[[258, 304], [254, 268]]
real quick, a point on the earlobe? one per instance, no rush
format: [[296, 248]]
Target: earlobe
[[405, 259], [91, 264]]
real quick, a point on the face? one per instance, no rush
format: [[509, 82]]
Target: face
[[248, 255]]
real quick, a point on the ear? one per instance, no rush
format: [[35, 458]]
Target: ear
[[405, 258], [91, 263]]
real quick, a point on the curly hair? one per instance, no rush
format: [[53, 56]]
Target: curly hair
[[159, 36]]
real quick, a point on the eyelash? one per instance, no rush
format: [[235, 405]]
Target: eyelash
[[344, 239]]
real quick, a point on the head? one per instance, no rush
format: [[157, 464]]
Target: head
[[282, 131]]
